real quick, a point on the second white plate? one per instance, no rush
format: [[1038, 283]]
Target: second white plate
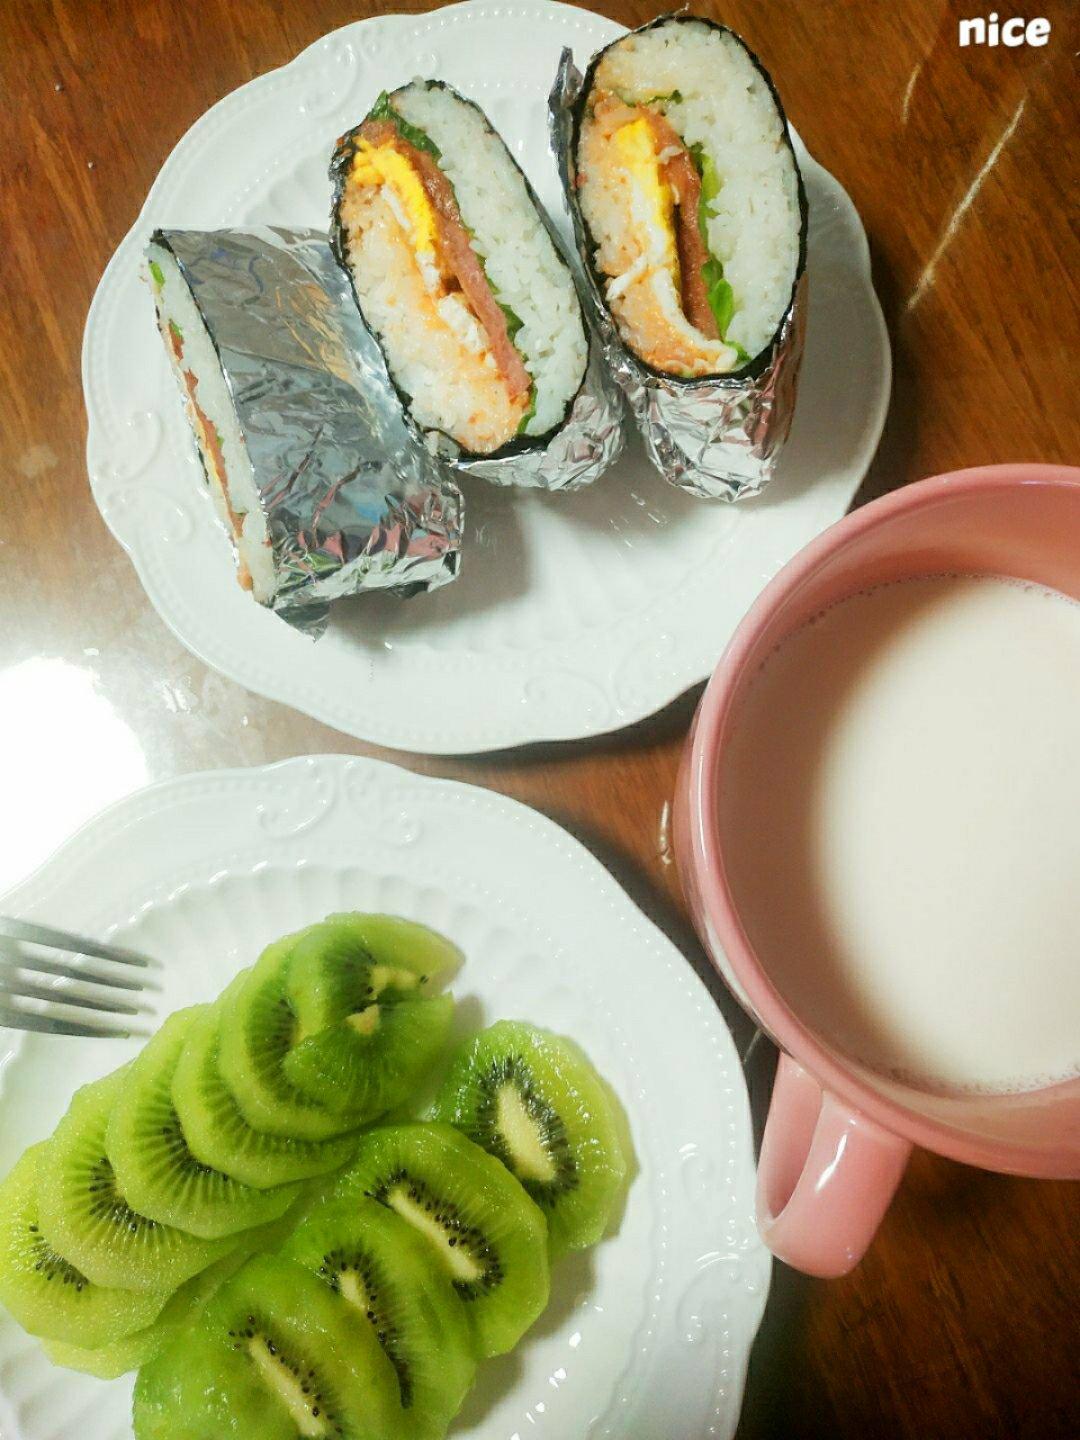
[[647, 1335], [574, 615]]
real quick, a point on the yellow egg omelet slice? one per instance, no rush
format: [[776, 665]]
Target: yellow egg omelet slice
[[383, 165], [635, 145]]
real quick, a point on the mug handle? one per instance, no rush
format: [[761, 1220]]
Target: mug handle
[[826, 1174]]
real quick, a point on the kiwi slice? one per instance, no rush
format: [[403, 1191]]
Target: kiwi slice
[[533, 1101], [155, 1169], [360, 1047], [351, 961], [258, 1028], [480, 1227], [215, 1129], [373, 1060], [180, 1312], [42, 1291], [378, 1265], [85, 1215], [277, 1355]]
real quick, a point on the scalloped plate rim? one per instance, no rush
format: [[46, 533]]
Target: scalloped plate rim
[[122, 817]]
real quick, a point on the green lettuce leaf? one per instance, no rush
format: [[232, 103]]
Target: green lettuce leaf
[[514, 321], [721, 296], [529, 413], [383, 110], [710, 186], [671, 98]]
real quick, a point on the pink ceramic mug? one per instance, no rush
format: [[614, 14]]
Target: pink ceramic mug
[[838, 1134]]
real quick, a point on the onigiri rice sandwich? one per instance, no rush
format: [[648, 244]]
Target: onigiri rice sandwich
[[690, 214], [458, 274]]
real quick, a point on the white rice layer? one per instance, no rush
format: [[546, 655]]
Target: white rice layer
[[525, 271], [436, 352], [726, 107], [237, 502]]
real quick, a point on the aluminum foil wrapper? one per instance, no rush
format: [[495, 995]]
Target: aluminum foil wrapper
[[352, 502], [717, 438]]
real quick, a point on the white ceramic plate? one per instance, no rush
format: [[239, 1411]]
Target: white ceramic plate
[[645, 1336], [574, 615]]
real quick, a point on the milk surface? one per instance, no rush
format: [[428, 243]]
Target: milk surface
[[901, 813]]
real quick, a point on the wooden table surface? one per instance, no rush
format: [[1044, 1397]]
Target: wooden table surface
[[962, 1322]]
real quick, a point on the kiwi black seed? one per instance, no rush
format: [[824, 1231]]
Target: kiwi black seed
[[460, 1234], [259, 1328], [534, 1101], [340, 1267], [482, 1231]]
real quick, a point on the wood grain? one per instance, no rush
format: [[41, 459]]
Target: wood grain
[[963, 1320]]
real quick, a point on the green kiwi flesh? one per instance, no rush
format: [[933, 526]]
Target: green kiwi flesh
[[153, 1164], [375, 1059], [215, 1129], [180, 1312], [85, 1216], [480, 1226], [276, 1355], [378, 1264], [258, 1029], [46, 1295], [348, 962], [533, 1101]]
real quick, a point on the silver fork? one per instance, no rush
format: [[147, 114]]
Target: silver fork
[[65, 984]]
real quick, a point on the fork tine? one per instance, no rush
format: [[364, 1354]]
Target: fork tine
[[12, 953], [48, 1025], [62, 940], [27, 990]]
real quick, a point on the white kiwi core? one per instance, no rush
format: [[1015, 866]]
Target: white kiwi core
[[522, 1135], [353, 1290], [365, 1022], [282, 1383], [461, 1264]]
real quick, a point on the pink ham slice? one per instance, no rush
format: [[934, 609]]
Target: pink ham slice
[[680, 172]]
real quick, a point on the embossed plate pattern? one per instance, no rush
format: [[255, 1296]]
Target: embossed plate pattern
[[574, 615], [647, 1336]]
